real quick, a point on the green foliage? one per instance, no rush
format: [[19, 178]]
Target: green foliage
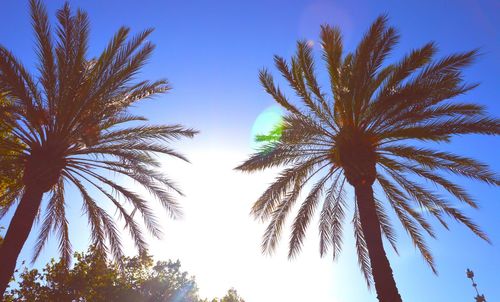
[[232, 296], [268, 141], [272, 136], [8, 176], [93, 278]]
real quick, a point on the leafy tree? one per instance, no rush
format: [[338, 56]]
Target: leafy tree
[[9, 177], [232, 296], [366, 135], [69, 126], [93, 278]]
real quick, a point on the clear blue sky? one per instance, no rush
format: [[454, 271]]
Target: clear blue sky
[[211, 52]]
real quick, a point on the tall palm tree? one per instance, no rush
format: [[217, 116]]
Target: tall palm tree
[[366, 135], [69, 128]]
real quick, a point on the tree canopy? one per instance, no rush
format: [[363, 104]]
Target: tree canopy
[[93, 278], [8, 177]]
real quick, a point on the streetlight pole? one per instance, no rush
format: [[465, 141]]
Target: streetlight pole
[[478, 297]]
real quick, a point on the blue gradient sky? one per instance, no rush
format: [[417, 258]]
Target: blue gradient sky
[[211, 52]]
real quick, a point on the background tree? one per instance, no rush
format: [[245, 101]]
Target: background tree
[[69, 126], [92, 278], [8, 178], [1, 234], [232, 296], [368, 134]]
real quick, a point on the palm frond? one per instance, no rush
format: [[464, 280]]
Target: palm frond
[[280, 211], [138, 203], [294, 74], [446, 161], [273, 230], [304, 215], [331, 43], [267, 82], [306, 62], [332, 218], [94, 215], [396, 199], [442, 130], [361, 248], [266, 204], [45, 48], [130, 223], [54, 219], [385, 225]]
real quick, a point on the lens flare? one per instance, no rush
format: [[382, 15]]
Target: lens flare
[[265, 122]]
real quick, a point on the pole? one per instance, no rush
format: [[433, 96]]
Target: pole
[[478, 297]]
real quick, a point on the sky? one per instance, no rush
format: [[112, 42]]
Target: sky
[[211, 52]]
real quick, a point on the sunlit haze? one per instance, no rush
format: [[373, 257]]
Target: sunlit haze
[[211, 53]]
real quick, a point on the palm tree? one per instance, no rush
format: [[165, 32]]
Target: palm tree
[[367, 134], [69, 128]]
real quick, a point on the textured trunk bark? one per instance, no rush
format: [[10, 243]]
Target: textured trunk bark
[[381, 269], [17, 233]]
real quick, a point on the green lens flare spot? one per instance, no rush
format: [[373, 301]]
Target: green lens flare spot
[[267, 127]]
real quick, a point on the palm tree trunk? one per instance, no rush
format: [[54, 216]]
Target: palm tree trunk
[[17, 233], [381, 269]]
